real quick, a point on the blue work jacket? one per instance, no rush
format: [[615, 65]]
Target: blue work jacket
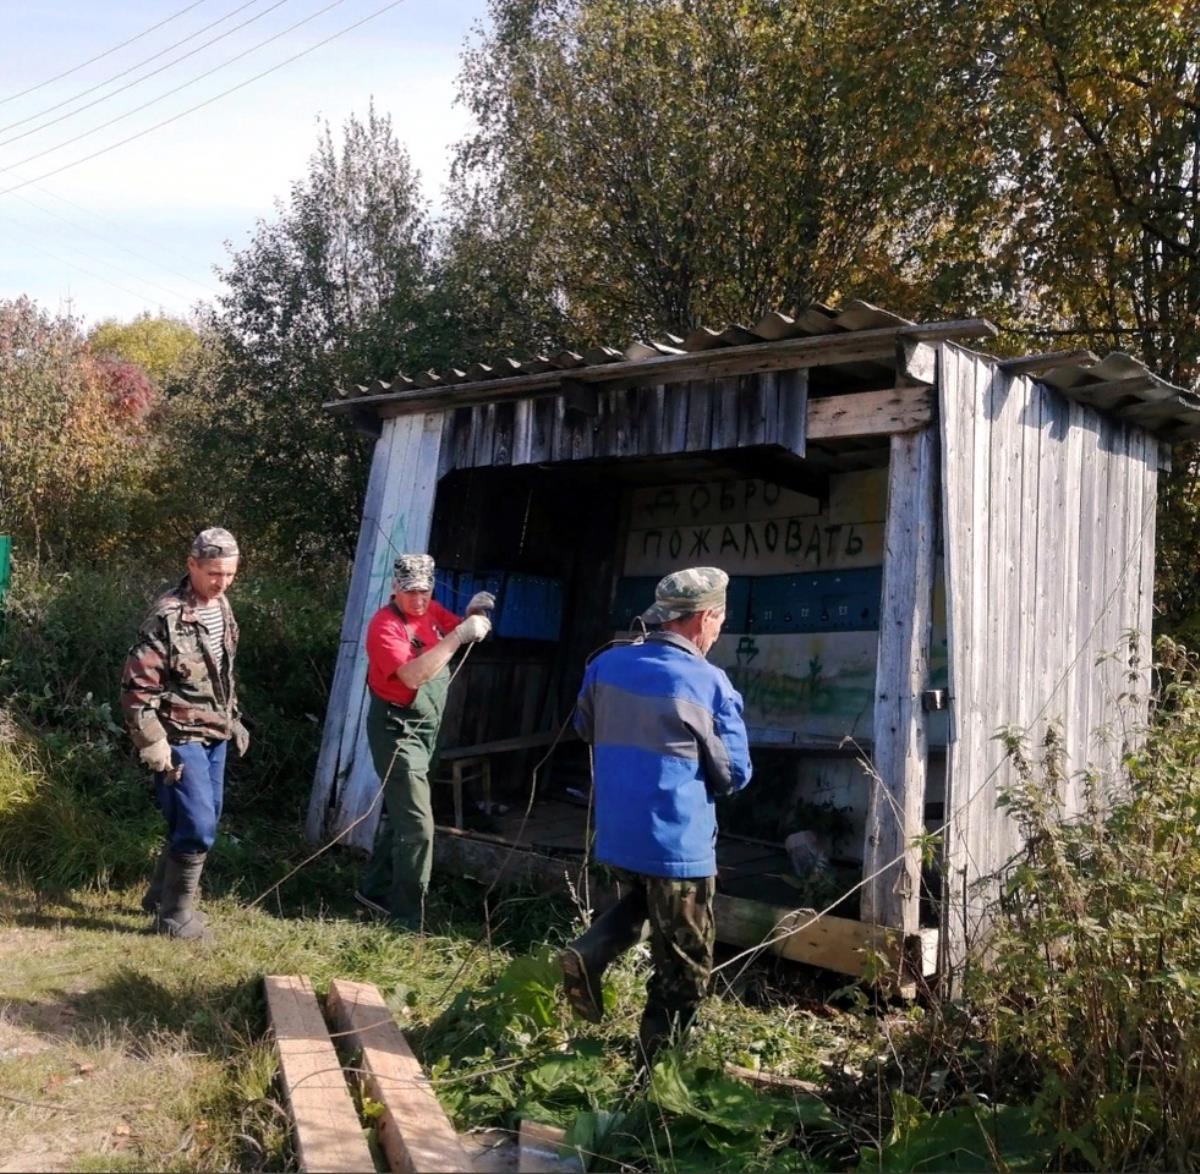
[[668, 735]]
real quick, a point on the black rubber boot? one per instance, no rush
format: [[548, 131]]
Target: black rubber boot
[[586, 959], [177, 916], [153, 895]]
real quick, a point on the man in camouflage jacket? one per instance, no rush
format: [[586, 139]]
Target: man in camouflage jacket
[[180, 707]]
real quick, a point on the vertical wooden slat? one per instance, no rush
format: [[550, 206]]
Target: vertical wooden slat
[[725, 414], [406, 516], [895, 811], [522, 447], [792, 391], [956, 420], [751, 402], [675, 417], [700, 394], [502, 438], [337, 711]]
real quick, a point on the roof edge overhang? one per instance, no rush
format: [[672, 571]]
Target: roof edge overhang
[[889, 344]]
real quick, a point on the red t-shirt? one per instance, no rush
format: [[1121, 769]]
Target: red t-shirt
[[394, 639]]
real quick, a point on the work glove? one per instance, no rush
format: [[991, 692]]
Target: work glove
[[241, 737], [157, 756], [481, 601], [473, 628]]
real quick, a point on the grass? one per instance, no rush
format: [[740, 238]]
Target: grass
[[140, 1053]]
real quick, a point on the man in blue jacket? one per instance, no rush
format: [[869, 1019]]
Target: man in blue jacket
[[668, 737]]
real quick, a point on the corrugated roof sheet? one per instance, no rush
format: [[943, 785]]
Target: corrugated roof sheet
[[1118, 384]]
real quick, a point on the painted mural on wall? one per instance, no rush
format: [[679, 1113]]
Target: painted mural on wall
[[799, 686]]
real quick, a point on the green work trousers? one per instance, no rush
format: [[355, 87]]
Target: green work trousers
[[682, 929], [403, 741]]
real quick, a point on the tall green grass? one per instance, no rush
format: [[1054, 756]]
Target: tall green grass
[[75, 806]]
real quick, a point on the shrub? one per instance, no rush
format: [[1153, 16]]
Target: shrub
[[1089, 1011]]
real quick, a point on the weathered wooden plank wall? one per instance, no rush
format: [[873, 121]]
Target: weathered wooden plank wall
[[396, 517], [1049, 515], [703, 415], [896, 808]]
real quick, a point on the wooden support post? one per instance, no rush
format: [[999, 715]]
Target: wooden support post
[[895, 813], [398, 518], [414, 1130], [329, 1136]]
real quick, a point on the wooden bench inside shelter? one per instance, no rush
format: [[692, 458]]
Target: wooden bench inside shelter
[[473, 764]]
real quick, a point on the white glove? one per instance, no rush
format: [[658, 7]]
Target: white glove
[[481, 601], [473, 628], [157, 756]]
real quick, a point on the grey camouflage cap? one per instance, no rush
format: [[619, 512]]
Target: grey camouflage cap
[[686, 592], [214, 543], [412, 572]]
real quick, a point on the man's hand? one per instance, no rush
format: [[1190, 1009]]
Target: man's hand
[[473, 628], [481, 601], [241, 737], [157, 756]]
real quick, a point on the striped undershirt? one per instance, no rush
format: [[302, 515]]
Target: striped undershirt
[[213, 619]]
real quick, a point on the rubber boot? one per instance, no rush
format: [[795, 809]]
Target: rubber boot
[[177, 916], [586, 959], [153, 895]]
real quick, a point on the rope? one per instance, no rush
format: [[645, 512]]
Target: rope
[[754, 951]]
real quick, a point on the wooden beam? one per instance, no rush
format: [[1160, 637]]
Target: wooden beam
[[1048, 360], [916, 363], [835, 943], [414, 1130], [895, 811], [787, 354], [869, 413], [329, 1136]]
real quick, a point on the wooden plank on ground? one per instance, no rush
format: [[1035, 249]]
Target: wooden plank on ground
[[329, 1136], [414, 1130]]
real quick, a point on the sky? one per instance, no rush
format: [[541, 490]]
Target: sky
[[140, 227]]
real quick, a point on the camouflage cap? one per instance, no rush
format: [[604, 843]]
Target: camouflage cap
[[686, 592], [412, 572], [214, 543]]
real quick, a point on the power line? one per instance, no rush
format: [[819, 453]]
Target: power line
[[166, 94], [207, 102], [115, 243], [136, 81], [100, 56], [157, 304]]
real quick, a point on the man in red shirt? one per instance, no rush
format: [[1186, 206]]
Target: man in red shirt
[[409, 645]]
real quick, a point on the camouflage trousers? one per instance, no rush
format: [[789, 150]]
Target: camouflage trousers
[[678, 914]]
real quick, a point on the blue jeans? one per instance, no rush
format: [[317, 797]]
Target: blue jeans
[[192, 806]]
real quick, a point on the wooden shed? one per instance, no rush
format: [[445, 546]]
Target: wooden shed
[[925, 544]]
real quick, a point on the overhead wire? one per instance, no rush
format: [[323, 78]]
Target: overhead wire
[[174, 90], [100, 56], [1132, 554], [137, 65], [208, 289], [39, 248], [207, 102]]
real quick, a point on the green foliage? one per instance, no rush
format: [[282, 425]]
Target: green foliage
[[81, 812], [164, 347], [331, 293], [73, 440], [974, 1136], [660, 165], [1088, 1012]]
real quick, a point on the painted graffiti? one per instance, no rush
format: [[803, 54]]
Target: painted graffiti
[[807, 541]]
